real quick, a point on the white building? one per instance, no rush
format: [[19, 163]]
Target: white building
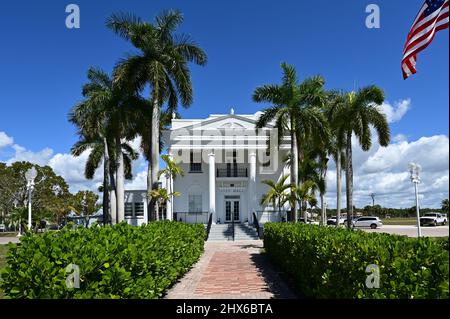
[[136, 212], [224, 159]]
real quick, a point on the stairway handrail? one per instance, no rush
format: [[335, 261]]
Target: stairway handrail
[[208, 228], [256, 223], [232, 225]]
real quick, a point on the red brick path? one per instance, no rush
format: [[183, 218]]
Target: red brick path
[[231, 273], [231, 270]]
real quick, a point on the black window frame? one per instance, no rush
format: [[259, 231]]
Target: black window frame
[[194, 167]]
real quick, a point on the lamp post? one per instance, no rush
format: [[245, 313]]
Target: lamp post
[[30, 175], [414, 170], [373, 199]]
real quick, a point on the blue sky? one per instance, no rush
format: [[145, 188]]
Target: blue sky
[[43, 64]]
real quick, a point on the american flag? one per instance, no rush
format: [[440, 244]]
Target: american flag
[[432, 17]]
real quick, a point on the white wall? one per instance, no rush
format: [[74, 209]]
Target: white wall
[[199, 183]]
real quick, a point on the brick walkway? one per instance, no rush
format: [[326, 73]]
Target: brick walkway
[[230, 270]]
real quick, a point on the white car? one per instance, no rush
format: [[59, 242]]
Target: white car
[[310, 221], [2, 227], [367, 221], [332, 220], [433, 219]]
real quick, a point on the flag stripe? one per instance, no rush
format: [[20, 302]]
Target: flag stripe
[[424, 39], [433, 16], [427, 27]]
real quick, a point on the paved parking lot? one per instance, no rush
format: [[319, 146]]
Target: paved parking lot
[[411, 231]]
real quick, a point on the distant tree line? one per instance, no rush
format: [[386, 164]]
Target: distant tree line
[[378, 210], [51, 200]]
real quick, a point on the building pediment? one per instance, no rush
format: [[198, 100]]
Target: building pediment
[[224, 122]]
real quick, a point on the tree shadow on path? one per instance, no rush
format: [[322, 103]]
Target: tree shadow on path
[[278, 283]]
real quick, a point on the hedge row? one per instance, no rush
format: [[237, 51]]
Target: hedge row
[[122, 261], [326, 262]]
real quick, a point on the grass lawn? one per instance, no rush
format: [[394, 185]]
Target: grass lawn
[[399, 221], [3, 250]]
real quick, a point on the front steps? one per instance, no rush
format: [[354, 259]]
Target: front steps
[[224, 232]]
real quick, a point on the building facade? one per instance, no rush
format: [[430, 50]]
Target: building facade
[[224, 159]]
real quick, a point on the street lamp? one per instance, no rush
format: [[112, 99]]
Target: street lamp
[[414, 170], [373, 199], [30, 175]]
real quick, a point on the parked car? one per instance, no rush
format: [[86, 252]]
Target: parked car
[[2, 227], [332, 220], [433, 219], [310, 221], [367, 221], [352, 219]]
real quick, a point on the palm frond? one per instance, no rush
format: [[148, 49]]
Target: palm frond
[[268, 115], [270, 93]]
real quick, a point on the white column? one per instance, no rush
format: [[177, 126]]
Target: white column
[[252, 186], [212, 186]]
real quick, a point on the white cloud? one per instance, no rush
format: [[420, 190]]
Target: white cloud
[[384, 171], [139, 181], [72, 168], [399, 138], [5, 140], [395, 113], [22, 154]]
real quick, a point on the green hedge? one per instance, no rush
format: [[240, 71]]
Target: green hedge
[[122, 261], [326, 262]]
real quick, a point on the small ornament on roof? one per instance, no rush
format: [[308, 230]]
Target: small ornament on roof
[[232, 111]]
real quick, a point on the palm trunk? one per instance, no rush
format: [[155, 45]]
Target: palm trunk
[[305, 213], [149, 188], [338, 187], [294, 167], [323, 209], [105, 184], [157, 209], [322, 195], [120, 182], [279, 208], [171, 199], [349, 179], [112, 195], [154, 156]]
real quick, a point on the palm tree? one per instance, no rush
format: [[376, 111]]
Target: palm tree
[[295, 109], [305, 194], [160, 196], [355, 113], [109, 113], [162, 63], [336, 145], [171, 171], [98, 152], [277, 193]]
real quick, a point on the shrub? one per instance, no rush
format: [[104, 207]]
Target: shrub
[[326, 262], [443, 242], [122, 261]]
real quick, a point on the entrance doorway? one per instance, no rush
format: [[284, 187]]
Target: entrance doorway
[[232, 209]]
